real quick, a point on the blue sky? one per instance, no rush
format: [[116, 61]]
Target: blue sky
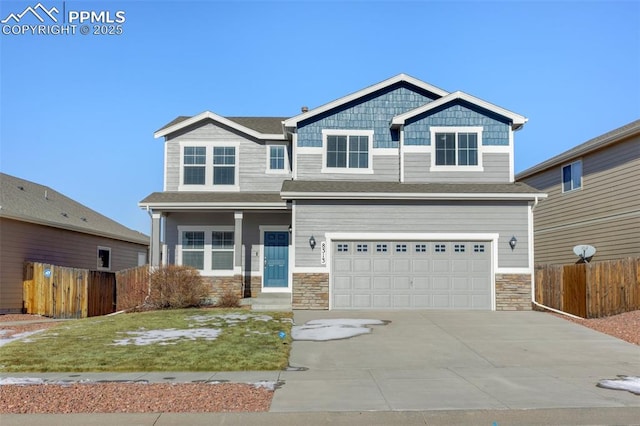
[[78, 112]]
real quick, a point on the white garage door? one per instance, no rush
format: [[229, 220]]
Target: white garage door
[[411, 275]]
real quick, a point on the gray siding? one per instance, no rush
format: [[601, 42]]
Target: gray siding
[[506, 218], [417, 169], [251, 223], [252, 158], [385, 168], [605, 213], [22, 241]]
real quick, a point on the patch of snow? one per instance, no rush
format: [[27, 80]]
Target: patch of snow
[[333, 329], [21, 381], [169, 336], [269, 385], [230, 318], [628, 383], [19, 336]]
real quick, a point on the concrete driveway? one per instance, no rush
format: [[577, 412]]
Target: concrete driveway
[[436, 360]]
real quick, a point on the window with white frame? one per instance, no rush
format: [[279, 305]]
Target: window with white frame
[[457, 147], [208, 249], [347, 151], [209, 166], [194, 160], [572, 176], [277, 158]]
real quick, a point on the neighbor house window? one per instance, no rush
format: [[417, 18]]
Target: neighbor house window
[[224, 165], [347, 151], [572, 176], [208, 249], [195, 160], [104, 258]]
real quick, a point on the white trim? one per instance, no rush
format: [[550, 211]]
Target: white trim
[[516, 119], [527, 271], [347, 169], [492, 238], [222, 120], [236, 270], [277, 228], [401, 151], [309, 150], [166, 206], [293, 121], [456, 129], [294, 155], [164, 165], [414, 149], [570, 164], [287, 168], [407, 196], [496, 149], [209, 166], [312, 270], [511, 157], [389, 152]]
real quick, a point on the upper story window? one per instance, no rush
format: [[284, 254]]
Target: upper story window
[[209, 166], [347, 151], [456, 148], [277, 158], [572, 176], [224, 165], [195, 160]]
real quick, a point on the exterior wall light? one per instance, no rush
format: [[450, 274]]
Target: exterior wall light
[[312, 242], [512, 242]]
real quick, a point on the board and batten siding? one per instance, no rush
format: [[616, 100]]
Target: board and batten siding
[[23, 241], [318, 218], [417, 168], [251, 223], [604, 213], [252, 158]]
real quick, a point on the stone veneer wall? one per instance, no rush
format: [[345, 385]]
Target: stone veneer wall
[[221, 285], [310, 291], [252, 286], [513, 292]]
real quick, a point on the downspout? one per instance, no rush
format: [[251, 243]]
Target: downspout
[[533, 283]]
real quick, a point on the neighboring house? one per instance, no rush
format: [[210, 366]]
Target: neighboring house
[[400, 195], [593, 198], [41, 225]]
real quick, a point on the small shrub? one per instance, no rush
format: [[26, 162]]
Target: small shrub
[[229, 299], [174, 286]]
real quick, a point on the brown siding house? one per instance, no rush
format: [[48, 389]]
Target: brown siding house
[[593, 198], [39, 224]]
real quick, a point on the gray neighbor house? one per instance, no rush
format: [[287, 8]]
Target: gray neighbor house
[[398, 196], [39, 224], [593, 198]]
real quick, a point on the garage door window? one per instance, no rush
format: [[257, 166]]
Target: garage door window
[[343, 248], [478, 248], [459, 248], [401, 248], [381, 248], [421, 248], [362, 248], [441, 248]]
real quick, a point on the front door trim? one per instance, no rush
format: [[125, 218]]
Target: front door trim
[[275, 228]]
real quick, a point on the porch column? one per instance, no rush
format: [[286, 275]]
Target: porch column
[[155, 249], [238, 242]]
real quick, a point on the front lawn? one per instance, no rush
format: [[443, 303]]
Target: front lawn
[[169, 340]]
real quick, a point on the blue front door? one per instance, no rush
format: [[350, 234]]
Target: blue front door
[[276, 259]]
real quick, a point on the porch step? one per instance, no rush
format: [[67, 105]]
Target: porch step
[[271, 302]]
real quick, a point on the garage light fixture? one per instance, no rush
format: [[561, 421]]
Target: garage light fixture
[[512, 242], [312, 242]]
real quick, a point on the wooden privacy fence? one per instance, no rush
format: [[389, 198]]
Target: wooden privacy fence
[[62, 292], [132, 287], [590, 290]]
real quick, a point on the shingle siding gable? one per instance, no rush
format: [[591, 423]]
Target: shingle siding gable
[[371, 112]]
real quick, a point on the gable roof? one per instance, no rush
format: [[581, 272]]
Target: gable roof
[[517, 120], [293, 121], [591, 145], [264, 128], [338, 190], [34, 203]]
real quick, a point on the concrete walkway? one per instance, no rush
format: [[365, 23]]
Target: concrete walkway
[[424, 367]]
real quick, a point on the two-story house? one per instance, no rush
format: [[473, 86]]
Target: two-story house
[[400, 195], [593, 198]]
